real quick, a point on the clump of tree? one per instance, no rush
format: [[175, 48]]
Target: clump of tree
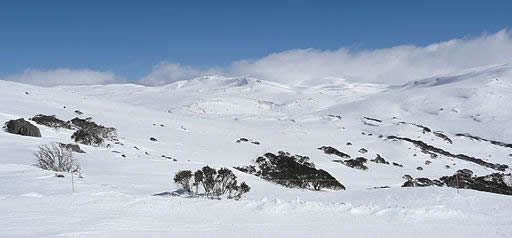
[[90, 133], [56, 157], [51, 121], [211, 183], [293, 171]]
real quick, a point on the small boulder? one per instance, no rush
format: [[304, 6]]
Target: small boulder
[[22, 127], [153, 139], [72, 147]]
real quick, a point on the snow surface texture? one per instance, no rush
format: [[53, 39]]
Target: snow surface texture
[[197, 122]]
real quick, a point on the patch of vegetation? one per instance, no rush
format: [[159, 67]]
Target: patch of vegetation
[[293, 171], [357, 163], [51, 121], [90, 133], [434, 150], [333, 151], [211, 183]]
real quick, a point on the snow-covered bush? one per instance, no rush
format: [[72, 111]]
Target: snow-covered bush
[[212, 183], [57, 158]]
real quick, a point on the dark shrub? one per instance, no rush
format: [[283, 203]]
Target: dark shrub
[[214, 184], [88, 137], [184, 180], [90, 133], [357, 163], [291, 171], [333, 151], [50, 121]]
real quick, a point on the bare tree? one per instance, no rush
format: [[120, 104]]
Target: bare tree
[[57, 158]]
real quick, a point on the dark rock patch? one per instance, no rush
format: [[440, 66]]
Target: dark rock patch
[[245, 140], [153, 139], [357, 163], [363, 151], [22, 127], [379, 160], [397, 164], [477, 138], [293, 171], [333, 151], [335, 116], [443, 136], [78, 112], [419, 168], [72, 147], [434, 150], [373, 119]]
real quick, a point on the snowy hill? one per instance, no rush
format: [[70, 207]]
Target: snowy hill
[[197, 122]]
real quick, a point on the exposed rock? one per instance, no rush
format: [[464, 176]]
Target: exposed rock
[[72, 147], [153, 139], [78, 112], [357, 163], [167, 157], [443, 136], [397, 164], [372, 119], [335, 116], [379, 160], [419, 168], [22, 127], [477, 138], [407, 177], [427, 162], [363, 151], [434, 150], [242, 140], [291, 171], [333, 151]]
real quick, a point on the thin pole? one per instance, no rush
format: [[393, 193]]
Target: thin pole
[[457, 183], [72, 183]]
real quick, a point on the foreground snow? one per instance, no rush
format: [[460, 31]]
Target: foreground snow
[[201, 120]]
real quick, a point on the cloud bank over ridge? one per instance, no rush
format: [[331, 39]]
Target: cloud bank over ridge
[[393, 65]]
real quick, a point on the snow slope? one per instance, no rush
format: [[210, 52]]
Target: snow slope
[[198, 121]]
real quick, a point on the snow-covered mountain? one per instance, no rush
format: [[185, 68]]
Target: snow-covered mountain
[[197, 122]]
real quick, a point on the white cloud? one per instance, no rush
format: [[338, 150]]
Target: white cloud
[[64, 77], [165, 73], [392, 65]]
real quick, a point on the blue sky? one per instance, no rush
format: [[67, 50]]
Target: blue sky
[[129, 38]]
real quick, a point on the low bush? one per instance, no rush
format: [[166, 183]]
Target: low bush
[[211, 183], [57, 158], [291, 171]]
